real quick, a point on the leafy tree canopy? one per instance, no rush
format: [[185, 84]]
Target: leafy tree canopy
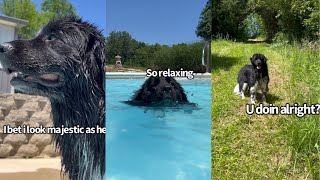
[[204, 26], [58, 8], [120, 43], [23, 9], [27, 10]]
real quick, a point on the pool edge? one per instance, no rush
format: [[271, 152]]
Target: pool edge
[[142, 75]]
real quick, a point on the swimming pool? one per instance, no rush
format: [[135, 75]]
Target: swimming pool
[[158, 143]]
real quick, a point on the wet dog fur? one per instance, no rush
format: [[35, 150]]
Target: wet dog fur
[[159, 91], [65, 62]]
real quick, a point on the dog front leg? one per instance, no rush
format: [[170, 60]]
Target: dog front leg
[[253, 91]]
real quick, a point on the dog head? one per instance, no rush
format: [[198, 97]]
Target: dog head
[[65, 50], [160, 91], [259, 61]]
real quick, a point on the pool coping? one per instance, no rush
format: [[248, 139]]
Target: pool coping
[[142, 75]]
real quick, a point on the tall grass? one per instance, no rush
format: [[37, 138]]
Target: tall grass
[[265, 147], [243, 146], [303, 134]]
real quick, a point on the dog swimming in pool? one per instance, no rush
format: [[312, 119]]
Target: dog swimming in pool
[[253, 77], [159, 91]]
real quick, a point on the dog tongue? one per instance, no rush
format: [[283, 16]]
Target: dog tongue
[[49, 77]]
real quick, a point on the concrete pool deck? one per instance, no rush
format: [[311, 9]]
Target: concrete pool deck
[[141, 75], [30, 169]]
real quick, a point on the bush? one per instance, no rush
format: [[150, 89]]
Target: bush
[[281, 37]]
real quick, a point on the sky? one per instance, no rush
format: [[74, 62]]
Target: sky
[[150, 21], [164, 21]]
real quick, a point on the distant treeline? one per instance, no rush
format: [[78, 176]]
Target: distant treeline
[[140, 54]]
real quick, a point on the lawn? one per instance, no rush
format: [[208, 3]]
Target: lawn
[[265, 146]]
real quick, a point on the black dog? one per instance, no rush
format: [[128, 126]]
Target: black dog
[[159, 91], [64, 62], [254, 76]]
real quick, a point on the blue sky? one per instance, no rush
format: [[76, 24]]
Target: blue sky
[[164, 21], [93, 11]]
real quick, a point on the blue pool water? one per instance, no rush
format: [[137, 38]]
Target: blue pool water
[[158, 143]]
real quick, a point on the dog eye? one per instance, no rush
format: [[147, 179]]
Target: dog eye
[[51, 37]]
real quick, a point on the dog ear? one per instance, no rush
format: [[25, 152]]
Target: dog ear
[[94, 57], [251, 60], [265, 59], [149, 84]]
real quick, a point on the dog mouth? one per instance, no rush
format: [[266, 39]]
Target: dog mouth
[[258, 66], [46, 79]]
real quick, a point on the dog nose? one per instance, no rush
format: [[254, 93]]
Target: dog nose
[[167, 88], [5, 47]]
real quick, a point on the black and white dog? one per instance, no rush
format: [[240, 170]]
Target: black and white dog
[[254, 76]]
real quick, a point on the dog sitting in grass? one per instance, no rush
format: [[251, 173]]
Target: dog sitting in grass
[[253, 77]]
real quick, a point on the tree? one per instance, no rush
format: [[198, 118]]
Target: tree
[[312, 21], [57, 8], [254, 25], [294, 19], [26, 9], [141, 54], [204, 26], [268, 12], [186, 56], [299, 19], [120, 43], [228, 17], [22, 9]]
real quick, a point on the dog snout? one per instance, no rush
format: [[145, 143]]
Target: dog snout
[[258, 62], [6, 47], [167, 88]]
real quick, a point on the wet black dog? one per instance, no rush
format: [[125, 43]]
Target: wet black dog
[[64, 62], [159, 91], [254, 76]]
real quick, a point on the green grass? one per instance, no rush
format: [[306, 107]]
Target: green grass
[[304, 134], [265, 146]]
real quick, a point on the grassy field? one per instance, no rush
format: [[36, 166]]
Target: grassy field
[[265, 146]]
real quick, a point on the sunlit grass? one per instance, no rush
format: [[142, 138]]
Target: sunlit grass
[[258, 147]]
